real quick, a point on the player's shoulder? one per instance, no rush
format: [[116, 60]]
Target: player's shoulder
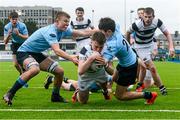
[[138, 22], [157, 22], [8, 25], [49, 29], [47, 32], [20, 23], [87, 19]]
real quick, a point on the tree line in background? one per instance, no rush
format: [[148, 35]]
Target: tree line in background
[[31, 26]]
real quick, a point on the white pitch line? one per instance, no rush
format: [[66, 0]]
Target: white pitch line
[[86, 110]]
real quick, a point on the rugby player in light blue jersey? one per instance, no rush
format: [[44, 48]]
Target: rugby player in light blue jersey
[[126, 70], [31, 58], [79, 23], [18, 32]]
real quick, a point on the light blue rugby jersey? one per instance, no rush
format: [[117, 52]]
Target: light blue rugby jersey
[[22, 30], [43, 38], [117, 46]]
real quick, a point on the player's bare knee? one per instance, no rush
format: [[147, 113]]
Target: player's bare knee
[[16, 65], [55, 69], [83, 97], [153, 70], [30, 63], [143, 69], [34, 70], [59, 72], [118, 96], [83, 100]]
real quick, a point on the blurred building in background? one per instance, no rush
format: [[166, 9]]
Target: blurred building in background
[[41, 15]]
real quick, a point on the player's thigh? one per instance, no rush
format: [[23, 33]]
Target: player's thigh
[[14, 48], [26, 61], [150, 64], [144, 53], [50, 65], [126, 75]]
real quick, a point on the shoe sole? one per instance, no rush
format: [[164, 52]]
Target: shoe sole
[[9, 103]]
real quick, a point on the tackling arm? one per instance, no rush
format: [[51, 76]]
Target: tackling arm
[[84, 33], [61, 53]]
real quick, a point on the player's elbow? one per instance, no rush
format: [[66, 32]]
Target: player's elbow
[[26, 37], [5, 41], [80, 72]]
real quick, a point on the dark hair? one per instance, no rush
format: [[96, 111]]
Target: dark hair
[[13, 15], [62, 13], [99, 37], [79, 9], [140, 9], [107, 24], [149, 10]]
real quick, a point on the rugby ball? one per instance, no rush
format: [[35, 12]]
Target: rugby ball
[[95, 66]]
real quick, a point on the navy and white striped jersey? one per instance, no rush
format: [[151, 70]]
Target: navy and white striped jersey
[[81, 25], [144, 34]]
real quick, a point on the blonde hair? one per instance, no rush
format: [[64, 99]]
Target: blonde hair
[[60, 14]]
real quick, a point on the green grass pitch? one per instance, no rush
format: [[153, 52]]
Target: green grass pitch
[[34, 102]]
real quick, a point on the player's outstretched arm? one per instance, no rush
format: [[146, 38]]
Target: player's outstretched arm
[[61, 53], [84, 33]]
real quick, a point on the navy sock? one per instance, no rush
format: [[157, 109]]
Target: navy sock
[[162, 88], [65, 79], [72, 88], [55, 90], [17, 85], [139, 83], [147, 95]]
